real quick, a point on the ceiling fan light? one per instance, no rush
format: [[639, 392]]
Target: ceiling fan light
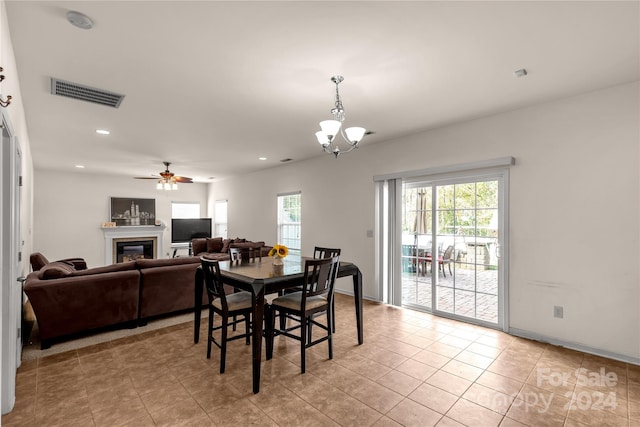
[[330, 128], [174, 186], [159, 186], [355, 134]]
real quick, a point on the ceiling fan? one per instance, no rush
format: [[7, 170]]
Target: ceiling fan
[[167, 179]]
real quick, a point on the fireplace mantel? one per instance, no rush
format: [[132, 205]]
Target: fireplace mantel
[[132, 231]]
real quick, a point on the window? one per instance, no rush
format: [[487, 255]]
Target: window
[[289, 222], [185, 210], [220, 219]]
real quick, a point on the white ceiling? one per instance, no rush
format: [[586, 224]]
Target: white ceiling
[[211, 86]]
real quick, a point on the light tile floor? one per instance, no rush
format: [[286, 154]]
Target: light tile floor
[[414, 369]]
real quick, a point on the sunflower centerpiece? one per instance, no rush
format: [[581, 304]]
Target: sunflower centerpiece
[[278, 252]]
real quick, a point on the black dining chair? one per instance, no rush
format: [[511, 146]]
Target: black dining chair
[[302, 307], [318, 253], [234, 304]]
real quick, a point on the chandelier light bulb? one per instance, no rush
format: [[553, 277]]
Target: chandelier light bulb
[[330, 128], [355, 134], [322, 138]]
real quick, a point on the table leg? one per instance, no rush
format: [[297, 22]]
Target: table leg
[[268, 331], [357, 295], [256, 353], [197, 307]]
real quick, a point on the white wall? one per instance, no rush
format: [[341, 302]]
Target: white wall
[[15, 111], [574, 206], [70, 208]]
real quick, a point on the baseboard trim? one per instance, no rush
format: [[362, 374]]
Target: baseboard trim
[[574, 346]]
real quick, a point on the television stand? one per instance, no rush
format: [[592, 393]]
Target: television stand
[[177, 246]]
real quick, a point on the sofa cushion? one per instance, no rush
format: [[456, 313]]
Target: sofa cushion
[[225, 245], [163, 262], [38, 261], [123, 266], [199, 246], [56, 270], [215, 245], [238, 240], [247, 245], [216, 256]]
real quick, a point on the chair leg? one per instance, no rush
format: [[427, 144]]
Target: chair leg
[[443, 272], [283, 321], [247, 328], [450, 273], [330, 328], [333, 315], [223, 343], [303, 343], [210, 334], [234, 323]]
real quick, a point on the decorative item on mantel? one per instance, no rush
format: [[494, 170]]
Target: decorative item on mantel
[[278, 252], [129, 211]]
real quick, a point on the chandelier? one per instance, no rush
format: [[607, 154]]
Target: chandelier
[[330, 128]]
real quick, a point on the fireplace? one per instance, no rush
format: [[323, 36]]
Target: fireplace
[[131, 236], [132, 249]]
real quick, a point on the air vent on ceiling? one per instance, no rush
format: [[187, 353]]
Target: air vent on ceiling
[[85, 93]]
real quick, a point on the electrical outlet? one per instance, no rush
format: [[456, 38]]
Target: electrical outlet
[[558, 311]]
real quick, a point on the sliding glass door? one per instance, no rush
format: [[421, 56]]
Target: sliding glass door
[[451, 247]]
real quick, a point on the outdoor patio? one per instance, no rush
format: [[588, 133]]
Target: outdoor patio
[[459, 299]]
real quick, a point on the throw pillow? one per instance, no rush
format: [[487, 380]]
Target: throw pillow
[[225, 245], [56, 270], [215, 245]]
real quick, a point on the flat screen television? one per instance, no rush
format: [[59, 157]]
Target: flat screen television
[[183, 230]]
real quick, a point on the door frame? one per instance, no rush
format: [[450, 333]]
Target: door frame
[[10, 270], [388, 208]]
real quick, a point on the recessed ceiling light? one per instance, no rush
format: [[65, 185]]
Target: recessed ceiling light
[[103, 132], [79, 20], [262, 158], [80, 166]]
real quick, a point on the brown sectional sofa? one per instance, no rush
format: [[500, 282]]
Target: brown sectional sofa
[[218, 248], [68, 301]]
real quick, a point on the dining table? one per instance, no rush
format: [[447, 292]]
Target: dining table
[[262, 278]]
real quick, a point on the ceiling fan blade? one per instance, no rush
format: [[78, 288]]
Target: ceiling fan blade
[[146, 177], [183, 179]]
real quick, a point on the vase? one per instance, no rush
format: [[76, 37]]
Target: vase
[[278, 265]]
